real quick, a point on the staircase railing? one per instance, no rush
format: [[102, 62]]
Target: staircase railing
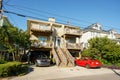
[[69, 57], [62, 57], [56, 57]]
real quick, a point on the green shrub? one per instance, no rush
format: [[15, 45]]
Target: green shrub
[[12, 69], [2, 61], [118, 64]]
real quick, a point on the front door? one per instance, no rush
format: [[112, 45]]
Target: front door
[[58, 41]]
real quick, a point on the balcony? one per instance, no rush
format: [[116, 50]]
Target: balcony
[[73, 46], [72, 31], [38, 44], [42, 28]]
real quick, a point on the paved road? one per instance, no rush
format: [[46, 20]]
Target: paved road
[[93, 77], [69, 73]]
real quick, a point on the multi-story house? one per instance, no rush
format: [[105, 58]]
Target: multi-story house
[[117, 35], [41, 38], [59, 41], [95, 30]]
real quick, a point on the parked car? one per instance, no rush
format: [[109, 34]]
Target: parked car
[[42, 60], [88, 63]]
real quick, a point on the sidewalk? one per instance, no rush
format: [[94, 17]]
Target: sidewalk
[[54, 72]]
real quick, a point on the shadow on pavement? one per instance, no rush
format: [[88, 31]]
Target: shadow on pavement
[[115, 72], [30, 69]]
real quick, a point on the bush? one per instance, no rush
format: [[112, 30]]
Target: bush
[[2, 61], [12, 69], [118, 64]]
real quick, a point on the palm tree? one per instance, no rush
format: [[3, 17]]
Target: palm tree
[[21, 41], [13, 38]]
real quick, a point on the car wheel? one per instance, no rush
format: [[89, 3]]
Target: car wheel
[[87, 66]]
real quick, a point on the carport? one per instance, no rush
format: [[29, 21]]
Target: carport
[[32, 55]]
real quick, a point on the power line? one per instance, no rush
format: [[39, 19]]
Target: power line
[[36, 10], [30, 11], [49, 13], [6, 1], [35, 13], [22, 15], [11, 17]]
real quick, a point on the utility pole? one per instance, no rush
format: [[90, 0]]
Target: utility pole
[[1, 9]]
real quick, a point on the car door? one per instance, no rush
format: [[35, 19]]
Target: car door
[[79, 62], [83, 62]]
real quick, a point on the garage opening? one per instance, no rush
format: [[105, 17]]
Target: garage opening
[[33, 55]]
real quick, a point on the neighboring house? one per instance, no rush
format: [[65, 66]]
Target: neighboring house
[[95, 30], [59, 41], [4, 21], [117, 38]]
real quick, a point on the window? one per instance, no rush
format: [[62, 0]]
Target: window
[[71, 40], [42, 38]]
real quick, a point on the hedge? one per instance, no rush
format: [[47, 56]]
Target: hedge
[[12, 69], [2, 61]]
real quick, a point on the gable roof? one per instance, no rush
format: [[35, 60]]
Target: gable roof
[[96, 27]]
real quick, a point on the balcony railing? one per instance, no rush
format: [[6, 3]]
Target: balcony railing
[[44, 28], [73, 46], [72, 31], [41, 44]]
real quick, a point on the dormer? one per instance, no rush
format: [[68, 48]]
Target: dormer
[[113, 31], [96, 26]]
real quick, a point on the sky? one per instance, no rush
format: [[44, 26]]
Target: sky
[[80, 13]]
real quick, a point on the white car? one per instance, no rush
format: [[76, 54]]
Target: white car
[[42, 60]]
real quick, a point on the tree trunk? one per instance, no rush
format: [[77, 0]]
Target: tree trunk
[[13, 56]]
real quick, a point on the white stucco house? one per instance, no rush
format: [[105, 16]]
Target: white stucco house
[[95, 30]]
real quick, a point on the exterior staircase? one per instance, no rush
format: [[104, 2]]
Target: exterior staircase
[[63, 58], [56, 57], [69, 57]]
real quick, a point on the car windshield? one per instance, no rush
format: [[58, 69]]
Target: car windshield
[[42, 56]]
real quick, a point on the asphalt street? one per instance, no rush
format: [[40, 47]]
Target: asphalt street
[[93, 77], [68, 73]]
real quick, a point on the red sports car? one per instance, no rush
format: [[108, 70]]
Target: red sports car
[[88, 63]]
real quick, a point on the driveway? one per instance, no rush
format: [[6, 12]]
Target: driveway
[[54, 72]]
